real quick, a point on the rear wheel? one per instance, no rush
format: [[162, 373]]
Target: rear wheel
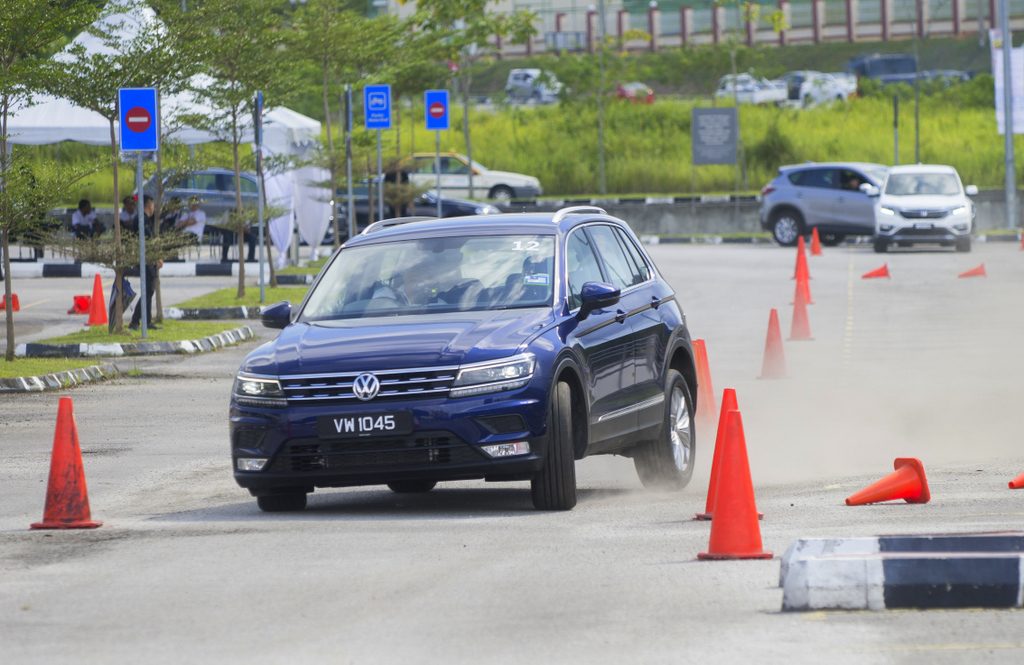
[[411, 486], [963, 244], [667, 462], [881, 245], [554, 486], [787, 225], [282, 502]]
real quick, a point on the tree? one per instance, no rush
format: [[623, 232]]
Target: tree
[[241, 45], [463, 29], [29, 32]]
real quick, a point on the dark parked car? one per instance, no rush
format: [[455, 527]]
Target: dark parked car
[[502, 347]]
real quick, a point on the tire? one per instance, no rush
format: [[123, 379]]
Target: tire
[[831, 239], [283, 502], [501, 193], [412, 486], [554, 486], [787, 225], [667, 463], [881, 246], [963, 244]]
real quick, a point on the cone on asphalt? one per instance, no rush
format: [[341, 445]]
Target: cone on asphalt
[[978, 271], [1017, 483], [804, 286], [774, 364], [735, 533], [98, 306], [801, 269], [705, 389], [15, 303], [67, 499], [815, 242], [877, 272], [800, 327], [907, 482], [728, 404]]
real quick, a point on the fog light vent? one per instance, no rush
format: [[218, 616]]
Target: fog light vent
[[507, 449], [251, 463]]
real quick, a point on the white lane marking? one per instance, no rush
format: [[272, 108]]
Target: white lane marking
[[37, 302]]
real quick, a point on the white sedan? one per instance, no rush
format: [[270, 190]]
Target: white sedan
[[501, 186]]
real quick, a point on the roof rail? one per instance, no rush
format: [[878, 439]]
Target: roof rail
[[395, 221], [576, 210]]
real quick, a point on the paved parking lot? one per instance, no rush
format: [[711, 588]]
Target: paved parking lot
[[186, 569]]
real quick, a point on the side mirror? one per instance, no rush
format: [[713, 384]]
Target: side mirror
[[971, 190], [869, 189], [597, 295], [278, 315]]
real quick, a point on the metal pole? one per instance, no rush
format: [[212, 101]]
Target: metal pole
[[140, 210], [351, 209], [602, 177], [917, 100], [895, 129], [1011, 174], [380, 181], [259, 217], [437, 168]]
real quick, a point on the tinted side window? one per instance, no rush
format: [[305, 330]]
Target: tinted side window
[[249, 186], [204, 181], [582, 265], [822, 178], [620, 270], [641, 272], [851, 180]]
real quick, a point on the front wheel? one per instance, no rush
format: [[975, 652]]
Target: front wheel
[[554, 486], [667, 462], [787, 226], [963, 244], [881, 245], [501, 194]]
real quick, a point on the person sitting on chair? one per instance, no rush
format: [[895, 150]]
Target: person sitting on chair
[[84, 223]]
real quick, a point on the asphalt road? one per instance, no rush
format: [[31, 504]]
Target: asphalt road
[[186, 569]]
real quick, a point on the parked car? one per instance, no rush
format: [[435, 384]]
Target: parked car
[[636, 92], [455, 169], [826, 196], [502, 347], [751, 90], [532, 85], [424, 205], [924, 203], [885, 67], [215, 188], [808, 88]]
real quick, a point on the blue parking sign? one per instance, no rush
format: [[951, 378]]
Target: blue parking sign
[[436, 104], [377, 106], [140, 119]]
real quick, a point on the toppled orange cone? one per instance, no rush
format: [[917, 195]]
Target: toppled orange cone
[[815, 242], [979, 271], [98, 306], [705, 389], [907, 482], [774, 364], [1017, 483], [67, 499], [80, 304], [877, 272], [800, 326], [728, 404], [15, 303], [735, 533]]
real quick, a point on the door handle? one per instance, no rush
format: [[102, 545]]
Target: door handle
[[655, 301], [620, 316]]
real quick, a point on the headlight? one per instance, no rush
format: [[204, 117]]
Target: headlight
[[494, 376], [487, 210], [887, 211], [959, 210], [252, 390]]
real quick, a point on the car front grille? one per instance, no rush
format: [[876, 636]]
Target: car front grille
[[935, 232], [394, 383], [423, 449], [924, 214]]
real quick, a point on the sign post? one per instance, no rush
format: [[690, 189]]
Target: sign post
[[435, 103], [257, 125], [140, 119], [377, 109]]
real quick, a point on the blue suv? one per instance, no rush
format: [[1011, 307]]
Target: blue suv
[[502, 347]]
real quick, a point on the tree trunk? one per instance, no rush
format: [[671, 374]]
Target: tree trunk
[[158, 204], [117, 323], [240, 228], [464, 77], [331, 161], [8, 305]]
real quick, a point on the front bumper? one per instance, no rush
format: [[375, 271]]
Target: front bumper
[[527, 192], [923, 233], [445, 443]]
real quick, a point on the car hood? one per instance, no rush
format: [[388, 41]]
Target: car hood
[[355, 345], [928, 202], [508, 176]]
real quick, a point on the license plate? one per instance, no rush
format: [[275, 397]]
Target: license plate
[[362, 425], [921, 225]]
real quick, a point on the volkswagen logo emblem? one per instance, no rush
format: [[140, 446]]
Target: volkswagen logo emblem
[[366, 386]]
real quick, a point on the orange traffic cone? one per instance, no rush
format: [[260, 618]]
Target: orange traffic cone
[[800, 327], [67, 499], [815, 242], [1017, 483], [98, 306], [774, 364], [705, 389], [803, 285], [728, 404], [15, 303], [735, 533], [877, 272], [907, 482], [974, 272], [801, 269]]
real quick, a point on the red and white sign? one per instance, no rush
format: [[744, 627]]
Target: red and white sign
[[437, 110], [138, 119]]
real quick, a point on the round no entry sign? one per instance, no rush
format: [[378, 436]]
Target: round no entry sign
[[437, 110], [138, 119]]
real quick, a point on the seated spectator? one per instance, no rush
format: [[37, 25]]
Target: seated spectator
[[84, 223], [192, 220], [128, 213], [169, 214]]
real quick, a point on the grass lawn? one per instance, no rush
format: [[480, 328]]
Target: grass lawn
[[43, 366], [312, 268], [169, 331], [226, 297]]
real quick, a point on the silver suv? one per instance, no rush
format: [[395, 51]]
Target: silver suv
[[215, 188], [924, 203], [826, 196]]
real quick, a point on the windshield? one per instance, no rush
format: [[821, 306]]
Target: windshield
[[922, 184], [427, 275], [877, 173]]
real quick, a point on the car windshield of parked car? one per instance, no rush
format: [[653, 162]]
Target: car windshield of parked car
[[922, 184], [429, 275]]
